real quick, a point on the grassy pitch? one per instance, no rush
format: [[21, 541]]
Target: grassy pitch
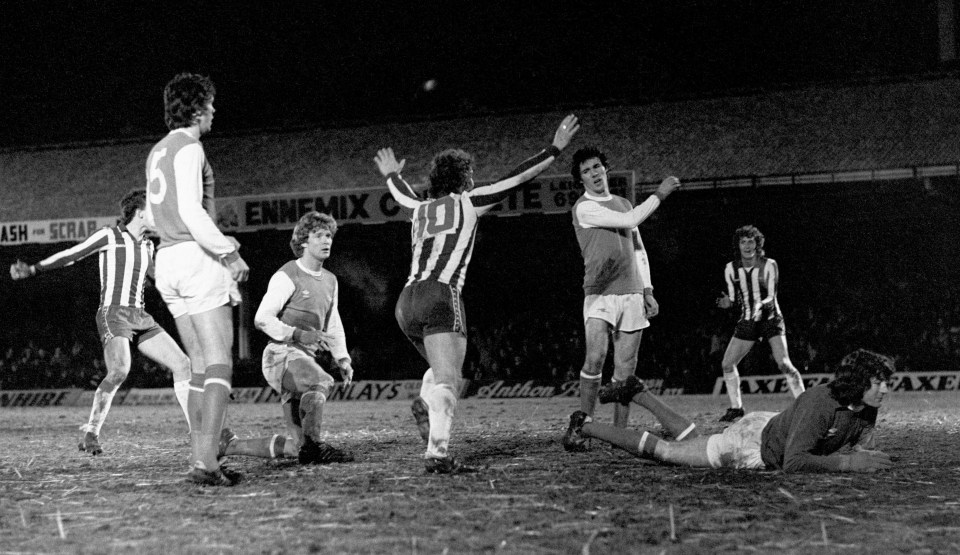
[[529, 497]]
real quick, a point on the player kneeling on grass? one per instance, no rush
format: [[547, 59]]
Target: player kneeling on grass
[[299, 313], [827, 428]]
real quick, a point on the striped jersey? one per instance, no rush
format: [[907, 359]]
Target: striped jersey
[[180, 194], [443, 229], [609, 259], [125, 263], [754, 287]]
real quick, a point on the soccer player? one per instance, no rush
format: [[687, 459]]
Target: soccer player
[[300, 314], [828, 428], [430, 310], [198, 268], [752, 281], [126, 260], [618, 292]]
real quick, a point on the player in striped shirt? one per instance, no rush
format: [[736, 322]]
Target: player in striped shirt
[[198, 267], [430, 310], [126, 260], [751, 280]]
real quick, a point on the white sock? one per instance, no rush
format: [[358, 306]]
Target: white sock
[[182, 391], [429, 380], [732, 380], [98, 413], [442, 403]]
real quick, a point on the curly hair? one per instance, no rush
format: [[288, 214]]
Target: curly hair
[[747, 231], [308, 223], [856, 370], [582, 156], [134, 200], [184, 97], [450, 172]]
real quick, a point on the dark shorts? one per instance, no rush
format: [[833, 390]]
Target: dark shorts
[[428, 307], [125, 321], [749, 330]]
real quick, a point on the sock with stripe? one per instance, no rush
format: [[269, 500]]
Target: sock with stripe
[[589, 387], [216, 396]]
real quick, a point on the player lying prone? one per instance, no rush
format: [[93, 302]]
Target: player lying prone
[[828, 428]]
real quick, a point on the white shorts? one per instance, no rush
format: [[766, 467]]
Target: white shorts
[[192, 281], [280, 358], [623, 312], [739, 445]]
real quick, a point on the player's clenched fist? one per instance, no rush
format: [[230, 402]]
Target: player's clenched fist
[[21, 270]]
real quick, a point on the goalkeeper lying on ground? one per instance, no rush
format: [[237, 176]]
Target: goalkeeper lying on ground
[[827, 428]]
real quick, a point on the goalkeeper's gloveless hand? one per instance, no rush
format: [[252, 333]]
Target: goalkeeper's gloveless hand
[[865, 461]]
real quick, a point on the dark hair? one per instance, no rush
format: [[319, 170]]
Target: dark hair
[[308, 223], [852, 378], [582, 156], [450, 172], [184, 96], [747, 231], [130, 203]]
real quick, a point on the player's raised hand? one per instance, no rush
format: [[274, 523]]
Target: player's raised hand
[[724, 301], [568, 128], [668, 186], [387, 162], [21, 270]]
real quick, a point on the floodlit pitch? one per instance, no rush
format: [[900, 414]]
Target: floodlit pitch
[[530, 496]]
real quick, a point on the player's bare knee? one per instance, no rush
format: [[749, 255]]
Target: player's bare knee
[[181, 369], [785, 365], [115, 378]]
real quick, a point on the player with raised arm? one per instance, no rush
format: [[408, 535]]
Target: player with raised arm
[[198, 267], [751, 280], [828, 428], [618, 292], [126, 261], [430, 310], [300, 314]]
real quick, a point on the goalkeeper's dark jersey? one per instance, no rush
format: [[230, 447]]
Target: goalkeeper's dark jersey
[[814, 427]]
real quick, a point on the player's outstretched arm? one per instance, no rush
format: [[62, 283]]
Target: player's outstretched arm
[[594, 214], [487, 196]]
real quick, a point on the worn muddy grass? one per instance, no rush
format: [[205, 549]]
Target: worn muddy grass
[[529, 496]]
